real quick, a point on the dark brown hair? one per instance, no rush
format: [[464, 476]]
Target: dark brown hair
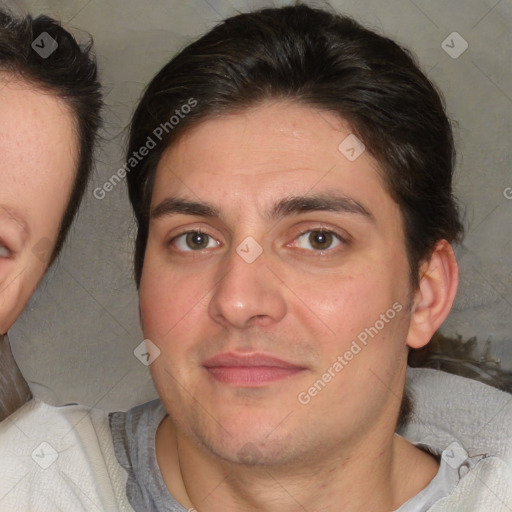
[[324, 60]]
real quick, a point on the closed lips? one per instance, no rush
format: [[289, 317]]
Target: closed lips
[[254, 360]]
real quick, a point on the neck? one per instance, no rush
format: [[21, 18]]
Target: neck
[[380, 480], [14, 389]]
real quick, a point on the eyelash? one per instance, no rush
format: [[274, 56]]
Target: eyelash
[[337, 236]]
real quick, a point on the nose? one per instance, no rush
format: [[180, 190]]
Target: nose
[[248, 294]]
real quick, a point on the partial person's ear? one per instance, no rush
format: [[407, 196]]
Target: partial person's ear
[[433, 300]]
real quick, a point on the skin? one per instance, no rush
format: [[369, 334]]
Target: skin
[[39, 151], [296, 302]]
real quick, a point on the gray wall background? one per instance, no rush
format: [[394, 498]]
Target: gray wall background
[[77, 335]]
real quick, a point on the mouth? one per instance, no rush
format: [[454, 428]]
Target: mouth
[[250, 370]]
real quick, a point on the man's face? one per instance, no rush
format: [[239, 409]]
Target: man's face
[[251, 269], [38, 148]]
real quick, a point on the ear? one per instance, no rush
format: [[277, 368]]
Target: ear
[[433, 300]]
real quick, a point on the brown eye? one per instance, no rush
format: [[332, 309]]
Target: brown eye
[[193, 241], [197, 241], [320, 240]]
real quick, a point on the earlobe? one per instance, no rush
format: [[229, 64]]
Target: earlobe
[[435, 295]]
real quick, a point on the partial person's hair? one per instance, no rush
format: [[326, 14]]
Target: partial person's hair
[[70, 73], [326, 61]]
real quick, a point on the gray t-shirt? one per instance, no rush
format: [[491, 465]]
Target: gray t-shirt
[[134, 431]]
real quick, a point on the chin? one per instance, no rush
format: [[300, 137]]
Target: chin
[[250, 451], [244, 440]]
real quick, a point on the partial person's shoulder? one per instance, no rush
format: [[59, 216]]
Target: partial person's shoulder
[[449, 407], [133, 435], [138, 417], [59, 458], [133, 432], [450, 410]]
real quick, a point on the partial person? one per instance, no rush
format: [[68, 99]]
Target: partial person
[[49, 115], [50, 103]]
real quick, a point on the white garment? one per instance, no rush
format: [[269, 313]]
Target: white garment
[[62, 458], [59, 458], [450, 408]]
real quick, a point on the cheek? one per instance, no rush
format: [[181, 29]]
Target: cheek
[[344, 301], [169, 300], [16, 288], [11, 305], [43, 201], [362, 312]]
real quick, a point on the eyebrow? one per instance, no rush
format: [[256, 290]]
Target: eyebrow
[[285, 207], [324, 202], [174, 205]]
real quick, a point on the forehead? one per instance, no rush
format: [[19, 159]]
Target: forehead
[[39, 153], [274, 150], [33, 119]]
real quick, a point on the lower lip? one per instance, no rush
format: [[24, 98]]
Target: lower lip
[[251, 375]]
